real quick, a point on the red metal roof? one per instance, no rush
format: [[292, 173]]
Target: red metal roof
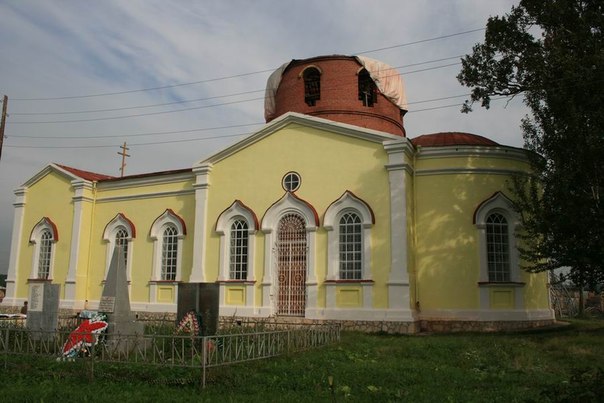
[[452, 139], [89, 176]]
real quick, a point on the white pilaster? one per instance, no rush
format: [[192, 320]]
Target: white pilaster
[[202, 187], [267, 278], [15, 248], [399, 296], [80, 187], [312, 287]]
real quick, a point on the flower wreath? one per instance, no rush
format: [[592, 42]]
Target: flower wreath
[[190, 323], [85, 335]]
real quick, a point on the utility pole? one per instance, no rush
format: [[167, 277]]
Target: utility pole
[[3, 122], [124, 155]]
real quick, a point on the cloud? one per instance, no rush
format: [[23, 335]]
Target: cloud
[[66, 48]]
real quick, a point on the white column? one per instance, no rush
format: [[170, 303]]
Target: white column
[[80, 187], [399, 296], [312, 286], [267, 279], [15, 248], [202, 187]]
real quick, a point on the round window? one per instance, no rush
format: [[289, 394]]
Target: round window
[[291, 181]]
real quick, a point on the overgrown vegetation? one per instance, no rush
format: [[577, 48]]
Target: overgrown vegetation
[[558, 365]]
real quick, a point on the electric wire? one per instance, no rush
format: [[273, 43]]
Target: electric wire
[[237, 75], [208, 98]]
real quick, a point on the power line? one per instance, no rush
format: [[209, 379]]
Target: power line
[[214, 97], [186, 109], [199, 129], [217, 136], [138, 144], [422, 41], [237, 75], [140, 134]]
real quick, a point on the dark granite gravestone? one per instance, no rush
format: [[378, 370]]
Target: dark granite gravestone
[[201, 298], [43, 310], [115, 301]]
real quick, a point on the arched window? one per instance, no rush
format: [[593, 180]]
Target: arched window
[[169, 255], [312, 85], [348, 222], [43, 236], [351, 247], [499, 277], [236, 226], [44, 257], [167, 232], [121, 242], [496, 221], [498, 248], [238, 250], [119, 233], [367, 88]]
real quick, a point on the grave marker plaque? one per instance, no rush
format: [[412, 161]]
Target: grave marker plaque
[[43, 311]]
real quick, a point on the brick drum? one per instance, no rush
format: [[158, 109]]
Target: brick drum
[[339, 95]]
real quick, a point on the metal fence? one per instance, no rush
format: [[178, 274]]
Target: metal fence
[[172, 350]]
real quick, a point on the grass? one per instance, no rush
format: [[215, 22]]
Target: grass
[[564, 364]]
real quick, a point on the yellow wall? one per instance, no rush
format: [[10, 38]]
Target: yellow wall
[[328, 164], [142, 211], [447, 253], [443, 257], [50, 197]]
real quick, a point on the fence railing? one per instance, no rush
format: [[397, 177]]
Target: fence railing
[[170, 350]]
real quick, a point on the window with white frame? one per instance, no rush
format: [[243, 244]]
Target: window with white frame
[[169, 255], [496, 222], [236, 226], [121, 242], [348, 222], [119, 233], [167, 232], [44, 257], [498, 248], [238, 250], [43, 237], [351, 247]]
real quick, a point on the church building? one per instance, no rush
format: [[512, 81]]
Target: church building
[[327, 213]]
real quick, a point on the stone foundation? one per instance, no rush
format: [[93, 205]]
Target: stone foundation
[[431, 326]]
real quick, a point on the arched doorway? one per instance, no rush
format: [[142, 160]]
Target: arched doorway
[[291, 265]]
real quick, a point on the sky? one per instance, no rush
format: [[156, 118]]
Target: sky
[[180, 80]]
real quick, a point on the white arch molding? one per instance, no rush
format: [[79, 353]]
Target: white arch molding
[[236, 211], [166, 219], [289, 204], [348, 202], [35, 238], [501, 204], [120, 221]]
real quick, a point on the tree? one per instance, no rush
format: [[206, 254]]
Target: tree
[[551, 53]]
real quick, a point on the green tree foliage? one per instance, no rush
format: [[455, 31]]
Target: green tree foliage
[[551, 53]]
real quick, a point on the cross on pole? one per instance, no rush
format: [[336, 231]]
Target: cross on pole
[[124, 155]]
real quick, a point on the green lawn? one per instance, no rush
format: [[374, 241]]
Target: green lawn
[[565, 364]]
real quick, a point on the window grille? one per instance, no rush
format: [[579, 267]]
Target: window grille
[[169, 253], [312, 86], [121, 241], [45, 255], [498, 248], [351, 243], [367, 89], [239, 250], [291, 247]]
